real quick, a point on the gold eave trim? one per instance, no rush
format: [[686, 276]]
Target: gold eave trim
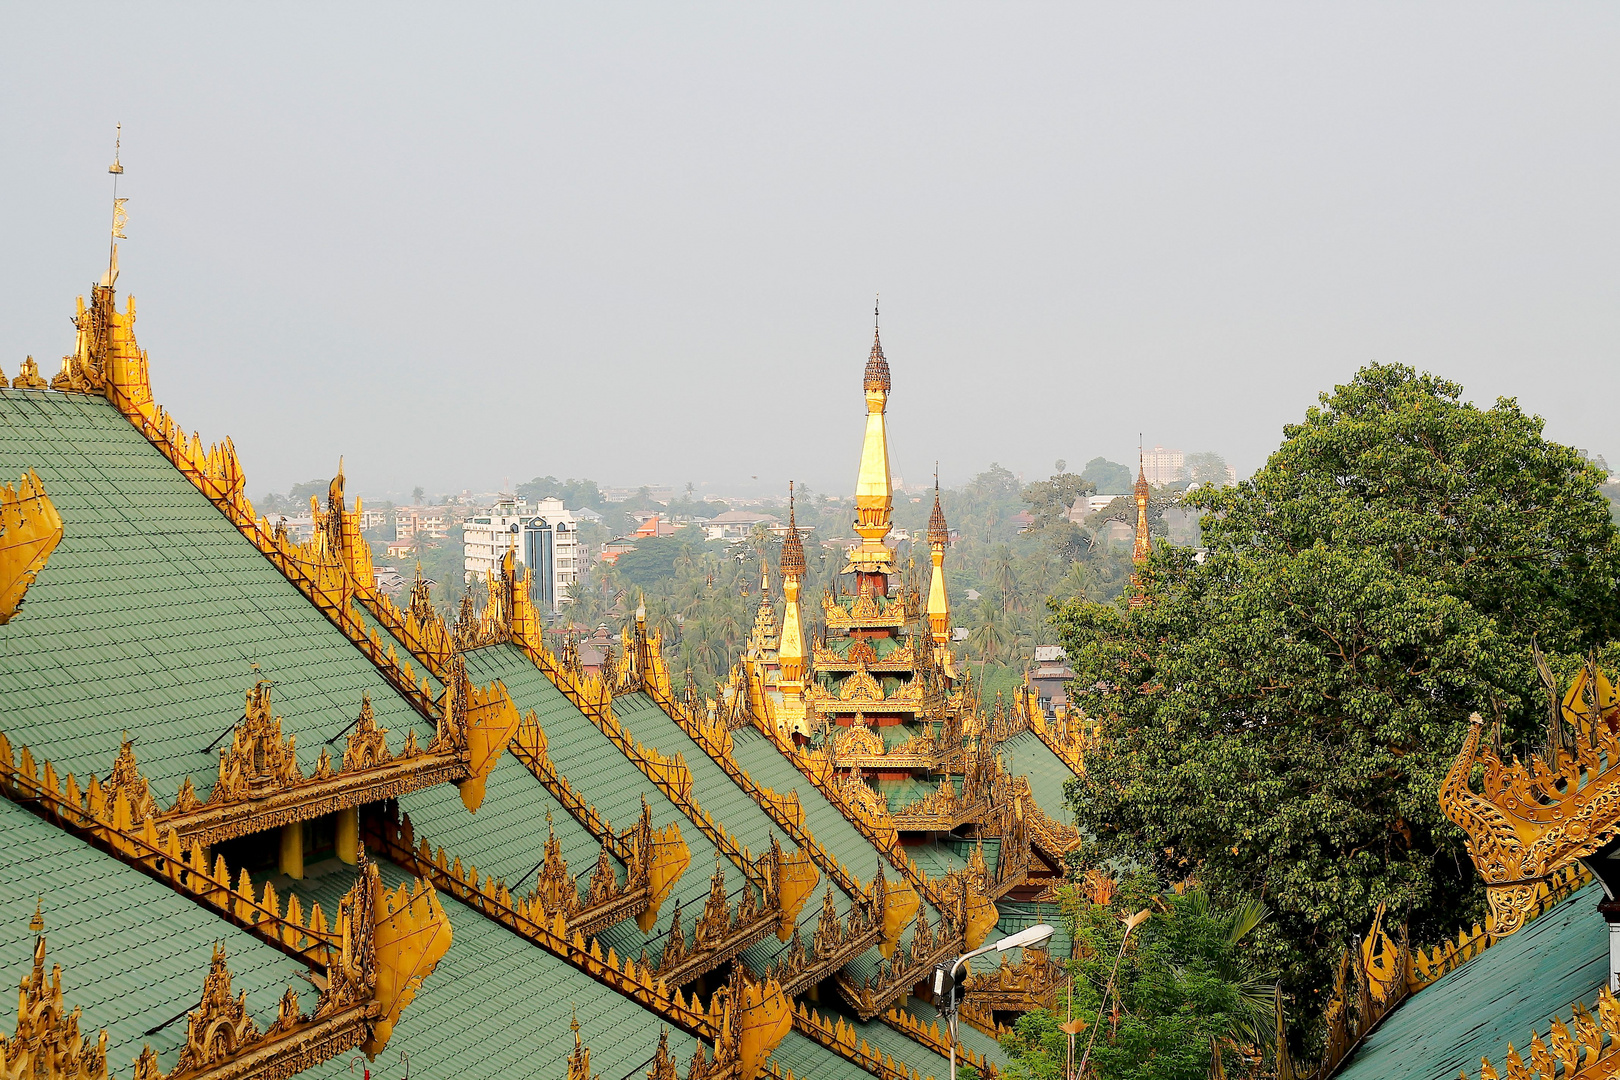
[[208, 825], [300, 1049]]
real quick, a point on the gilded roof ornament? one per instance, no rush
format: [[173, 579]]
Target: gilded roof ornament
[[938, 531], [792, 561], [1535, 818], [30, 529], [877, 366], [46, 1044], [29, 377]]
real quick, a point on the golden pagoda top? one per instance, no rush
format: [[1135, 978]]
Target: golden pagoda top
[[792, 562], [938, 531], [1143, 544], [877, 366], [873, 492]]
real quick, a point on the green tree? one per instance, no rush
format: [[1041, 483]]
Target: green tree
[[1279, 717], [1155, 1006], [1049, 500], [1206, 468], [1108, 477]]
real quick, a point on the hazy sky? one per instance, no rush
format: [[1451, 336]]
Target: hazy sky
[[639, 243]]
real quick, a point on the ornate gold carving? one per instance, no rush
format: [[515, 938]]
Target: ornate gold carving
[[259, 760], [30, 529], [410, 935], [47, 1044], [29, 378], [1587, 1046], [579, 1060], [366, 748], [220, 1027], [858, 740], [796, 878], [1535, 818], [477, 724]]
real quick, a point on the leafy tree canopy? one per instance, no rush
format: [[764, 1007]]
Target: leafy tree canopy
[[575, 494], [654, 558], [1049, 500], [1206, 468], [1186, 982], [1279, 717], [1109, 477]]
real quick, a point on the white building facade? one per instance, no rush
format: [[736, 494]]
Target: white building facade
[[544, 538]]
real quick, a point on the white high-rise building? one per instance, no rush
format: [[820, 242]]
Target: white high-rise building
[[1162, 466], [544, 538]]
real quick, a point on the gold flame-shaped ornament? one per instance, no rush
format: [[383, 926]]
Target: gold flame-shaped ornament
[[30, 529]]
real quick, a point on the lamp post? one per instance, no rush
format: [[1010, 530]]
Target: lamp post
[[949, 976]]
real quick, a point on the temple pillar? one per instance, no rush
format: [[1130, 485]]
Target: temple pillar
[[348, 834], [292, 849]]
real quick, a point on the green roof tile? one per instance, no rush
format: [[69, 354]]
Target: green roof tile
[[498, 1007], [1511, 989], [150, 612], [133, 952]]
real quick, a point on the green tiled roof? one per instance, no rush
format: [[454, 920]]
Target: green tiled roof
[[507, 837], [498, 1008], [809, 1060], [607, 779], [133, 952], [885, 1039], [721, 796], [966, 1034], [765, 763], [1019, 915], [1511, 989], [1025, 755], [151, 611]]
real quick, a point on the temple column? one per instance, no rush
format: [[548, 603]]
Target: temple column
[[292, 849], [348, 834]]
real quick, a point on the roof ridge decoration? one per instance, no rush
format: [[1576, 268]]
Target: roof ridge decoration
[[30, 529], [1592, 1048], [840, 1036], [28, 377], [903, 1021], [661, 852], [47, 1044], [374, 957], [261, 785], [637, 981], [1534, 818]]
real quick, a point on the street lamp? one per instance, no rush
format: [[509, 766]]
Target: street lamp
[[949, 976]]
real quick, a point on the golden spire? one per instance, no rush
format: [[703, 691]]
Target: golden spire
[[939, 607], [790, 660], [873, 495], [120, 215], [1143, 544]]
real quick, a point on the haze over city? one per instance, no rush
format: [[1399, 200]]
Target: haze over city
[[642, 245]]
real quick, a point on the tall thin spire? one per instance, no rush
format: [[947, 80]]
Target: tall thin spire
[[939, 607], [790, 653], [1144, 544], [873, 492], [120, 216]]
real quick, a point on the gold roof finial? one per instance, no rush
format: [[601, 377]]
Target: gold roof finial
[[37, 923], [877, 366], [120, 216], [792, 560], [938, 531]]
